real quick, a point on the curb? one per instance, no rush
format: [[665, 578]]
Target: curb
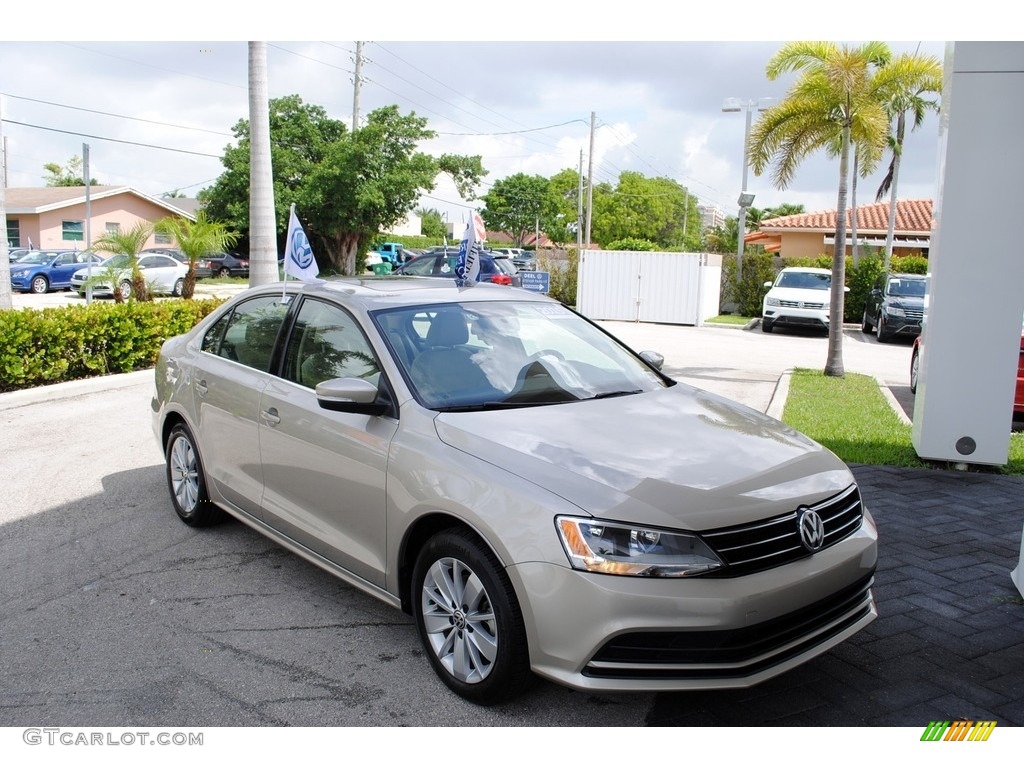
[[66, 390]]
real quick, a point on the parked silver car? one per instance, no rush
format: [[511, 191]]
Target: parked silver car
[[539, 498]]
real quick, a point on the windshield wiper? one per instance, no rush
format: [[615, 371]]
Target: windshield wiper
[[617, 393]]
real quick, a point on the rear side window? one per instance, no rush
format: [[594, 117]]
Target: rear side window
[[248, 334]]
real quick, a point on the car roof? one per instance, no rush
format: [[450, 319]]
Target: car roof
[[386, 291], [813, 270]]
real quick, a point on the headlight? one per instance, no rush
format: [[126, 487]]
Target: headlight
[[896, 311], [771, 302], [625, 550]]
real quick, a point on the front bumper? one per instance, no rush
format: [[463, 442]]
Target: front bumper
[[796, 316], [609, 633]]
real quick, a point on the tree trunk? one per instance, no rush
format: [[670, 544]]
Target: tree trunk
[[262, 222], [188, 289], [853, 206], [890, 235], [342, 250], [140, 291], [834, 361]]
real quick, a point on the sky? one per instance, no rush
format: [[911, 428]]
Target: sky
[[157, 113]]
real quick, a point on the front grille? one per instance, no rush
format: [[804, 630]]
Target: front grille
[[802, 304], [913, 314], [773, 542], [718, 654]]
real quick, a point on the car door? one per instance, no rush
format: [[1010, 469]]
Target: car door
[[160, 271], [324, 472], [231, 370], [62, 268]]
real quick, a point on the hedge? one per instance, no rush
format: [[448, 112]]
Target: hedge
[[46, 346]]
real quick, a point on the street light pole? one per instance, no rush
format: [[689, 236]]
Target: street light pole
[[745, 199]]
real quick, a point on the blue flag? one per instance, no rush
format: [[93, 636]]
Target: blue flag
[[298, 255]]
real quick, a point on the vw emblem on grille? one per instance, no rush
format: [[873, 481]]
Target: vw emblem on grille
[[812, 530], [800, 304]]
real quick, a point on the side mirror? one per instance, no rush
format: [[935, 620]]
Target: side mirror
[[846, 288], [768, 284], [349, 396], [653, 359]]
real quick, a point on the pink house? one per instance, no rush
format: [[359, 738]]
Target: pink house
[[55, 217]]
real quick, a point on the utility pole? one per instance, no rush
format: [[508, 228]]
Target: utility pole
[[590, 177], [6, 301], [579, 209], [88, 220], [357, 81]]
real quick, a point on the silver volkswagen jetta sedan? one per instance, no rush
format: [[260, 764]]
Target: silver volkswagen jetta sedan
[[540, 498]]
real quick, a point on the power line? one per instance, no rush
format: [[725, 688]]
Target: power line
[[116, 141]]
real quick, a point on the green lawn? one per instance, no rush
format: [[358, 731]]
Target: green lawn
[[852, 418], [729, 319]]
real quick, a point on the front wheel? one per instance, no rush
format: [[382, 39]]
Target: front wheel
[[469, 620], [883, 335], [224, 272], [40, 284], [767, 325], [179, 287], [915, 362], [125, 289], [187, 482]]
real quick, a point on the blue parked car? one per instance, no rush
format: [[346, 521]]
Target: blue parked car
[[42, 271]]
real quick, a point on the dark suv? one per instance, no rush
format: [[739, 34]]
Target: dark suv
[[895, 306]]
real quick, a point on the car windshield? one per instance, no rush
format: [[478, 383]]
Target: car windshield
[[36, 257], [812, 280], [493, 355], [906, 287], [117, 260]]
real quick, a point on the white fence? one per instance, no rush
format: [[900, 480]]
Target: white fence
[[649, 286]]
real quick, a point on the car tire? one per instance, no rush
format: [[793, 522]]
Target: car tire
[[125, 289], [179, 287], [187, 482], [880, 332], [224, 272], [767, 326], [865, 326], [915, 363], [469, 619], [40, 284]]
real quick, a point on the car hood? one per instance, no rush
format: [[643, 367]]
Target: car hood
[[678, 457], [905, 301]]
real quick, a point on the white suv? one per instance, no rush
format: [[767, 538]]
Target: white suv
[[799, 297]]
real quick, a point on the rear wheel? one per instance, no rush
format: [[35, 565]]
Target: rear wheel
[[40, 284], [125, 289], [179, 286], [224, 272], [186, 481], [469, 620], [915, 362]]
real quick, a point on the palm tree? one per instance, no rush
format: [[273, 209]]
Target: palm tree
[[129, 243], [907, 83], [834, 97], [195, 239]]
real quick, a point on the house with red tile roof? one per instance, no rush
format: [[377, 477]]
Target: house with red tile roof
[[806, 235], [55, 217]]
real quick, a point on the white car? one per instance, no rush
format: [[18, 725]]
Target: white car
[[799, 297], [161, 272]]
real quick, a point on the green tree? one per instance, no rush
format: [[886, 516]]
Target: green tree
[[69, 175], [195, 239], [129, 243], [371, 179], [516, 204], [834, 96], [347, 187], [561, 220], [640, 207], [910, 83], [432, 223]]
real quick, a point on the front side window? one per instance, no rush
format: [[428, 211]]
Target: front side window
[[72, 231], [327, 343], [248, 334]]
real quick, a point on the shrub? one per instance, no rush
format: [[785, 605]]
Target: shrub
[[63, 343], [632, 244], [758, 269], [562, 276]]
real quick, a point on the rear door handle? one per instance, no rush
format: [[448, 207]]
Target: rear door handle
[[270, 417], [201, 387]]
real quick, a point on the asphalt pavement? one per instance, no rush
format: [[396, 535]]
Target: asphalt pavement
[[948, 643]]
